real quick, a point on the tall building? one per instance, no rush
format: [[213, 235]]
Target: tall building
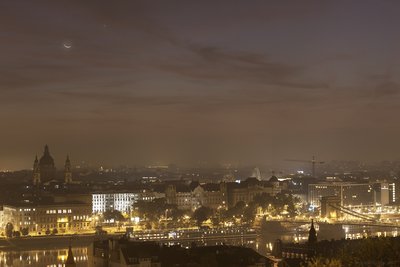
[[36, 172], [351, 194], [67, 171], [393, 193]]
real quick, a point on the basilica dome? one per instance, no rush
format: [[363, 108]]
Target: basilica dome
[[46, 159]]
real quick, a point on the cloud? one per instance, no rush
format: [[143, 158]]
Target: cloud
[[386, 89], [218, 64]]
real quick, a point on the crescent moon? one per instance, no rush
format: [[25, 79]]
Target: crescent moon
[[68, 46]]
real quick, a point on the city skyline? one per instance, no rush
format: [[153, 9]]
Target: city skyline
[[131, 82], [199, 133]]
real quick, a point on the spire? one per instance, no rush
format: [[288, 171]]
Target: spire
[[36, 172], [312, 234], [67, 171], [70, 258], [67, 166], [46, 150], [36, 164]]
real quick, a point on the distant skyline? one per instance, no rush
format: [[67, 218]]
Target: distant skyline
[[126, 82]]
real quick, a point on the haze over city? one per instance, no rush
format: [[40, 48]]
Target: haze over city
[[138, 81], [199, 133]]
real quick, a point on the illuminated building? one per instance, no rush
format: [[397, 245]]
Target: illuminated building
[[350, 194], [246, 190], [393, 193], [221, 195], [381, 193], [121, 201], [196, 195], [63, 217]]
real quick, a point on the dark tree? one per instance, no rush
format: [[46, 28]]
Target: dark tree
[[236, 211], [277, 204], [249, 212], [16, 234], [9, 230], [202, 214], [113, 214], [25, 231]]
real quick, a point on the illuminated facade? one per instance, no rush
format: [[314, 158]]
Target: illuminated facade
[[245, 191], [393, 193], [121, 201], [350, 194], [60, 217], [222, 195], [195, 196]]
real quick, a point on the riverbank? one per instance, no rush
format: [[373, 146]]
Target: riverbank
[[83, 240], [49, 242]]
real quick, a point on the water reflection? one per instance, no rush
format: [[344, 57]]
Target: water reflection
[[41, 258], [262, 243]]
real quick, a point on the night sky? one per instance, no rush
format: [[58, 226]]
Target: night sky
[[252, 81]]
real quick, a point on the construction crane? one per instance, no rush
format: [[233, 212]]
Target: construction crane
[[313, 162]]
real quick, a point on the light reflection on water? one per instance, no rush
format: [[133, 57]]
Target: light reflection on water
[[262, 244], [43, 258]]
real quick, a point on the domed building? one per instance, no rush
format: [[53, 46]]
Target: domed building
[[46, 166], [44, 170]]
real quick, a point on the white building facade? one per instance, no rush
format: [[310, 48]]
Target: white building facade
[[121, 201]]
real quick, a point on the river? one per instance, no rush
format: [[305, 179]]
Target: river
[[46, 255]]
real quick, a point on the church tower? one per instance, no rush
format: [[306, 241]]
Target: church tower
[[312, 234], [70, 258], [67, 171], [36, 172]]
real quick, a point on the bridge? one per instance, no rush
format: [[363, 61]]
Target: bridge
[[375, 223]]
